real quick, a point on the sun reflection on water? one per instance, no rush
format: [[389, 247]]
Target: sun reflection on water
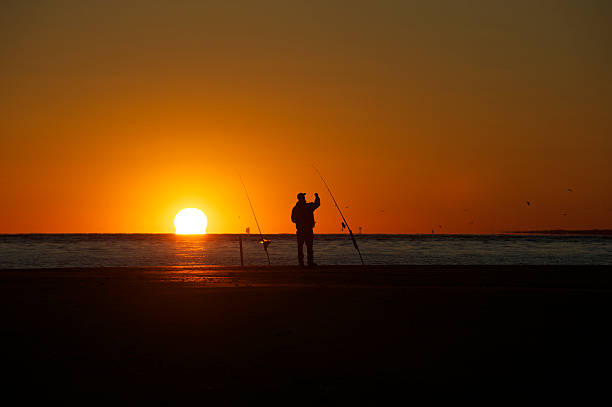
[[191, 249]]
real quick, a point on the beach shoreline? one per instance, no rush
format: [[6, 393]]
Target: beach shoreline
[[571, 277], [230, 335]]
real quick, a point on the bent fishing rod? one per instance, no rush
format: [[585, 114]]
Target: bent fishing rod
[[343, 218], [265, 242]]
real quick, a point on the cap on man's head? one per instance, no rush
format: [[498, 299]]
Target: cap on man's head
[[301, 195]]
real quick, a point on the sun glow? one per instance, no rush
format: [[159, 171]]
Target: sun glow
[[190, 221]]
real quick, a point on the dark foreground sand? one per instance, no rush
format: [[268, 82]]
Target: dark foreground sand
[[299, 336]]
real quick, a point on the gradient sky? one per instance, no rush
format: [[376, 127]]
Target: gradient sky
[[114, 115]]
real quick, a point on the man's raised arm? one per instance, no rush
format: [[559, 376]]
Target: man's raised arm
[[317, 201]]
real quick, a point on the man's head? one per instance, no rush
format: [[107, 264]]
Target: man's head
[[301, 197]]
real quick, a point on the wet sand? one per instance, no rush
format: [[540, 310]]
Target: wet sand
[[300, 336]]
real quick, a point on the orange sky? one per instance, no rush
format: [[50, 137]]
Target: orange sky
[[116, 115]]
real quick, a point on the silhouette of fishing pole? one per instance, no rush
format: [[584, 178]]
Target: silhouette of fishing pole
[[344, 222], [265, 242]]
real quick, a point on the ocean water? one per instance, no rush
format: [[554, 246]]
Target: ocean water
[[112, 250]]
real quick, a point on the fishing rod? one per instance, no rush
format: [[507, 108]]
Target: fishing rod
[[265, 242], [343, 218]]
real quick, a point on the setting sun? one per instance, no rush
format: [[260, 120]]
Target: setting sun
[[190, 221]]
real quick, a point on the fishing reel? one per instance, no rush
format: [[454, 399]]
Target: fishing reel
[[265, 243]]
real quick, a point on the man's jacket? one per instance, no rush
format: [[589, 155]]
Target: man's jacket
[[303, 214]]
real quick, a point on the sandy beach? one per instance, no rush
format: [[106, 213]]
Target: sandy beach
[[229, 336]]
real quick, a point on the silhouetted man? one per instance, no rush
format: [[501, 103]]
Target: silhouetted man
[[303, 217]]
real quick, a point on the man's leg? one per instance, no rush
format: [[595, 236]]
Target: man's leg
[[308, 239], [300, 243]]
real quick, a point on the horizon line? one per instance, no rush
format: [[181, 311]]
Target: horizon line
[[511, 232]]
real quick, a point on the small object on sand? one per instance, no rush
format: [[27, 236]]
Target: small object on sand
[[528, 203], [570, 190], [564, 214]]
